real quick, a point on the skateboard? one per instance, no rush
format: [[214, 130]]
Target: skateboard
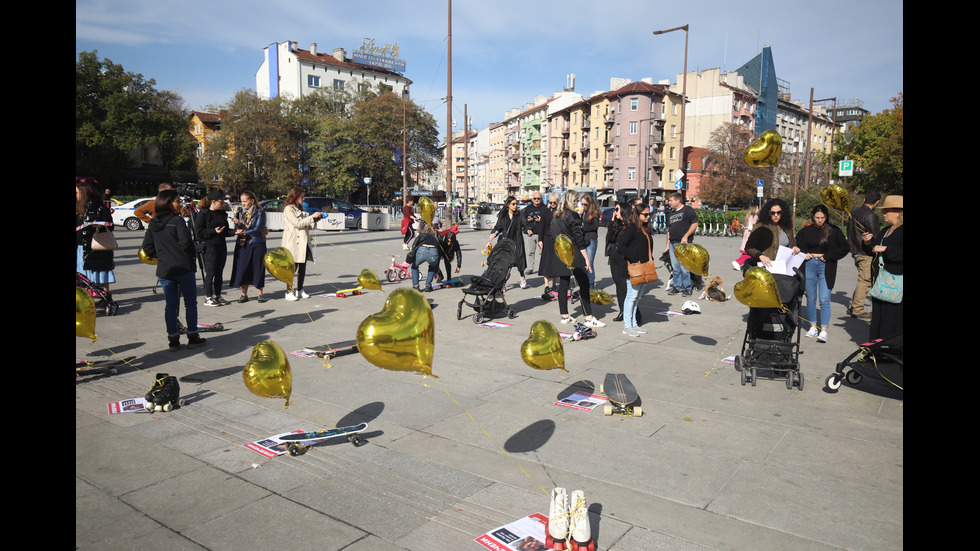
[[83, 367], [303, 441], [621, 393], [454, 282], [341, 349], [354, 291], [201, 327]]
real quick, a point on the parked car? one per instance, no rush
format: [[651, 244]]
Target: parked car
[[606, 217], [124, 214], [272, 205], [352, 213]]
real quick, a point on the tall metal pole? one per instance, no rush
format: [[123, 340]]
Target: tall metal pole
[[449, 106], [404, 149], [466, 155], [686, 29]]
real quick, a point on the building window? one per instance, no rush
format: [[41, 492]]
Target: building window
[[313, 81], [338, 85], [631, 173], [634, 104], [633, 127], [632, 151]]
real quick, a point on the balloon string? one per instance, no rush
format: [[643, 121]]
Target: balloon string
[[874, 360], [487, 434], [325, 359]]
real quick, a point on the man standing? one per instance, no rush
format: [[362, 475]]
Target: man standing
[[147, 211], [532, 215], [863, 220], [681, 225]]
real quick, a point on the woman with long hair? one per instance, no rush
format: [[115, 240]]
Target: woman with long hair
[[824, 244], [211, 224], [567, 222], [749, 222], [774, 230], [617, 262], [249, 260], [169, 240], [888, 318], [95, 265], [550, 267], [635, 245], [296, 237], [510, 225], [590, 227]]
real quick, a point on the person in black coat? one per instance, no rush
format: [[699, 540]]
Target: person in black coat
[[635, 244], [449, 248], [95, 265], [888, 318], [567, 222], [211, 224], [510, 225], [617, 262], [824, 244]]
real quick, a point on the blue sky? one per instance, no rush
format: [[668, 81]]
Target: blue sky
[[506, 52]]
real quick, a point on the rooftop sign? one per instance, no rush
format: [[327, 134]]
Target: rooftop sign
[[383, 57]]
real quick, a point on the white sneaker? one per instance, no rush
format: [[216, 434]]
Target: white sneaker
[[558, 514], [736, 266], [302, 294], [291, 295], [523, 283], [566, 321], [811, 333], [594, 323], [631, 332], [822, 337], [640, 331], [578, 515]]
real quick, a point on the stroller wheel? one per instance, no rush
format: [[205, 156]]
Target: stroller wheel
[[511, 314], [459, 310], [853, 377], [744, 376], [834, 382], [738, 365], [799, 381], [755, 375], [789, 380], [478, 317]]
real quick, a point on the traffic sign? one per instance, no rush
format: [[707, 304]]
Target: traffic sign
[[760, 185], [679, 184], [846, 168]]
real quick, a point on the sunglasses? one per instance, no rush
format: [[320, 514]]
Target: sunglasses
[[553, 204], [536, 199], [644, 214], [774, 212]]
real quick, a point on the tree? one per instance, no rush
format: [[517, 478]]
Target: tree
[[117, 111], [730, 180], [877, 151]]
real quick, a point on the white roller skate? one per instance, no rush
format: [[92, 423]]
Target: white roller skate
[[581, 531], [557, 520]]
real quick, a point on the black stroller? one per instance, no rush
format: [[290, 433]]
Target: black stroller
[[489, 287], [881, 360], [772, 336], [102, 297]]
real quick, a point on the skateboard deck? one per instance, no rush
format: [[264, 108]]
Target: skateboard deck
[[303, 441], [340, 349], [454, 282], [201, 327], [352, 291], [83, 367], [622, 394]]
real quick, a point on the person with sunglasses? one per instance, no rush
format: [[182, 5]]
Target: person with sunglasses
[[510, 225], [532, 231], [774, 230], [551, 266], [617, 262], [682, 222]]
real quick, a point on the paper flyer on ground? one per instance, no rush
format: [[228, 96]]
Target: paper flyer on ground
[[272, 446], [566, 337], [671, 313], [494, 324], [525, 534], [728, 360], [127, 406], [582, 400], [305, 353]]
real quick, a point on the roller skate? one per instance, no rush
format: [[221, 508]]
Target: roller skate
[[579, 527], [164, 395], [557, 520]]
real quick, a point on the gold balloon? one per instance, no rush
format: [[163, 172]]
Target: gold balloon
[[369, 280], [765, 151], [84, 314], [267, 372], [564, 249], [758, 289], [279, 262], [401, 337], [427, 209], [836, 197], [598, 296], [147, 259], [543, 348], [693, 257]]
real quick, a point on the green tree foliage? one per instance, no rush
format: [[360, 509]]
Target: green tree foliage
[[729, 179], [117, 111], [877, 149]]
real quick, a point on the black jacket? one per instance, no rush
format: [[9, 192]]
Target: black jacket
[[169, 241], [634, 245], [863, 219]]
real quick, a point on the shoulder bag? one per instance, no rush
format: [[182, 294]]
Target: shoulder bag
[[643, 272], [104, 240], [888, 287]]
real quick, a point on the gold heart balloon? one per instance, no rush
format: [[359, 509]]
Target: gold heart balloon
[[758, 289], [564, 249], [543, 348], [836, 197], [267, 372], [401, 337], [147, 259], [693, 257], [84, 314], [279, 262], [369, 280], [427, 209], [765, 151], [598, 296]]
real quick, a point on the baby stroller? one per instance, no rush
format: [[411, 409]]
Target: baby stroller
[[881, 360], [489, 287], [772, 336], [103, 299]]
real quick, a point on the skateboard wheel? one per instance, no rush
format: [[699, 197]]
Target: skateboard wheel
[[638, 411], [602, 389], [357, 441], [607, 409]]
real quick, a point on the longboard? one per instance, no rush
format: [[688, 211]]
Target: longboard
[[340, 349], [201, 327], [454, 282], [303, 441], [622, 394]]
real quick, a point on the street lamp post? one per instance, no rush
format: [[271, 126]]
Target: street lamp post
[[686, 29]]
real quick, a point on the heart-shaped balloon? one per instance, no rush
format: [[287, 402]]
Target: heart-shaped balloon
[[147, 259], [836, 197], [543, 348], [369, 280], [765, 151], [693, 257], [84, 314], [564, 249], [401, 337], [427, 209], [758, 289], [598, 296], [267, 372], [279, 262]]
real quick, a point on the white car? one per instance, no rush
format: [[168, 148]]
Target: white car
[[124, 214]]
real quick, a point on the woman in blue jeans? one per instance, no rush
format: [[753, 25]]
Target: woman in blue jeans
[[169, 241], [590, 228], [426, 249], [635, 245], [824, 244]]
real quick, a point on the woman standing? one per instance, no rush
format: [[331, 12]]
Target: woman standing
[[510, 225], [296, 237], [774, 230], [635, 245], [168, 239], [567, 222], [95, 265], [590, 228], [212, 229], [824, 244], [249, 260], [550, 267], [408, 222], [751, 219], [887, 317], [617, 262]]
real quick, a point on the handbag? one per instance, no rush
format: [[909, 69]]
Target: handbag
[[643, 272], [888, 287], [104, 240]]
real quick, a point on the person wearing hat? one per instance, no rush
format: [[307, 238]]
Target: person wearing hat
[[888, 267], [211, 224]]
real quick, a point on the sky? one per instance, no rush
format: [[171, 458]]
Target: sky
[[506, 52]]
